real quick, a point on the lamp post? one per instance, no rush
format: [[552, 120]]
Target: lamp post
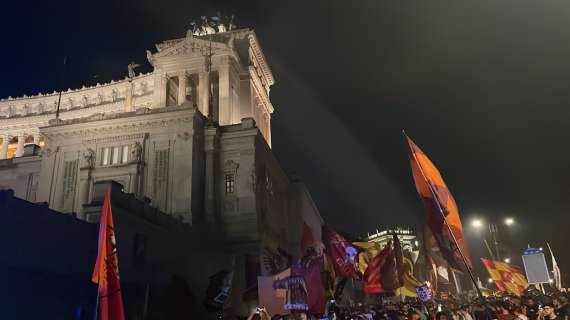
[[493, 230]]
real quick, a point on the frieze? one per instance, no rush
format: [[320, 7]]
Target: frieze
[[137, 136], [118, 128]]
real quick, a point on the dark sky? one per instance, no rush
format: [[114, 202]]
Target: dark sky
[[482, 87]]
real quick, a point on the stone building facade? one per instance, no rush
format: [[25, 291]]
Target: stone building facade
[[192, 137]]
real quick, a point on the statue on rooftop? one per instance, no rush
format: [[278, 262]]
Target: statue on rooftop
[[131, 68]]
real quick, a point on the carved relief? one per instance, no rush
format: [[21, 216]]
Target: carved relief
[[268, 184], [252, 179], [231, 167], [69, 182], [160, 177], [184, 136], [47, 152]]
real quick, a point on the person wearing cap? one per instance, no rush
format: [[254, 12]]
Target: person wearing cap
[[547, 312]]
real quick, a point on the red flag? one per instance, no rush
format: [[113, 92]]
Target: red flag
[[435, 195], [106, 272], [307, 239], [371, 276], [341, 253]]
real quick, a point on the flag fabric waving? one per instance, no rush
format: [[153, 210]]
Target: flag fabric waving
[[507, 277], [106, 272], [371, 277], [341, 252], [436, 196], [399, 256], [555, 270]]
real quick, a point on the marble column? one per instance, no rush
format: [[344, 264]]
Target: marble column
[[37, 138], [204, 93], [4, 150], [182, 80], [20, 147]]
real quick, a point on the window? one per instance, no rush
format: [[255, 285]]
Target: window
[[125, 156], [230, 183], [114, 155], [105, 157]]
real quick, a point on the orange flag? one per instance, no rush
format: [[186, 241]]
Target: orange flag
[[106, 272], [437, 197]]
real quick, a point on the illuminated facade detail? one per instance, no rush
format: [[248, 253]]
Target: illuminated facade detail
[[406, 237], [193, 136]]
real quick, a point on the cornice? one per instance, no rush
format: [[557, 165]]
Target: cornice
[[260, 91], [260, 57], [126, 123]]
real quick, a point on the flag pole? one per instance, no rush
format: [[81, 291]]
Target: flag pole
[[436, 197], [61, 90], [96, 305]]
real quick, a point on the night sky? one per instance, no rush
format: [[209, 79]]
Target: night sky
[[482, 87]]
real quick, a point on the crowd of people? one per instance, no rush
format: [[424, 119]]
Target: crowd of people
[[528, 307]]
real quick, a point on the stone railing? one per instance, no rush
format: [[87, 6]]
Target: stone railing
[[72, 100]]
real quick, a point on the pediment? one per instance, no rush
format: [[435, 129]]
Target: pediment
[[191, 45]]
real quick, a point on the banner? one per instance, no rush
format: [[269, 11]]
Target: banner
[[507, 277]]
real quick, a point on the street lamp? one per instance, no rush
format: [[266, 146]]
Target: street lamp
[[477, 223], [507, 260], [493, 231]]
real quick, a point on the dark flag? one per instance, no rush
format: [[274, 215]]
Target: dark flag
[[106, 272], [399, 257], [389, 271]]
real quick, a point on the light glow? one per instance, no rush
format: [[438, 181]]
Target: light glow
[[477, 223], [509, 221]]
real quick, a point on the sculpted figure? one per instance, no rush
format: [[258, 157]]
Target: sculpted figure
[[149, 56], [131, 68], [89, 156], [136, 153]]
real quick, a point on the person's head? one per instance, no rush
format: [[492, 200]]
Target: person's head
[[405, 307], [441, 316], [522, 310], [548, 310], [415, 316]]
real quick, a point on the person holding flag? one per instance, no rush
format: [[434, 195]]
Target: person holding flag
[[106, 271]]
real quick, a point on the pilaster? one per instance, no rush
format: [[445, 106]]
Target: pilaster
[[4, 149], [20, 147], [225, 113], [182, 80], [204, 93], [211, 148]]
